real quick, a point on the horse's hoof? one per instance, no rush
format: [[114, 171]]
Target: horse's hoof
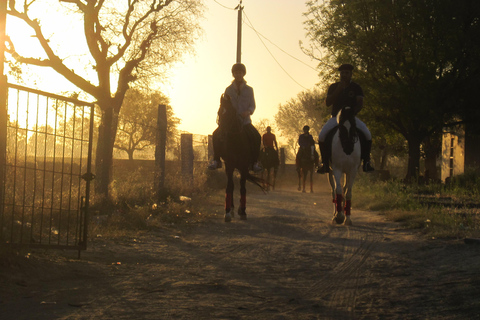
[[228, 217], [311, 191], [303, 191], [348, 221], [299, 189], [242, 214], [339, 218]]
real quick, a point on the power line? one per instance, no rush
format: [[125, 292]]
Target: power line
[[223, 5], [258, 35]]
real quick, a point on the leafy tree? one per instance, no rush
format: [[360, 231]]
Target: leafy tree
[[137, 124], [416, 60], [126, 43], [308, 108]]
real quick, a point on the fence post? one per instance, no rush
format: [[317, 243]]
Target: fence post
[[187, 157], [3, 105], [161, 141], [282, 160]]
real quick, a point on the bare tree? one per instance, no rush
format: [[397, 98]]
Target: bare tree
[[129, 42]]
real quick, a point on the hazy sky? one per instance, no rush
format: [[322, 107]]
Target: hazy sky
[[274, 74]]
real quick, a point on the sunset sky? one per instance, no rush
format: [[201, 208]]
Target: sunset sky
[[277, 68], [271, 60]]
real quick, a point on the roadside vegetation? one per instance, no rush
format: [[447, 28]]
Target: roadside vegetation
[[439, 210], [138, 209], [448, 211]]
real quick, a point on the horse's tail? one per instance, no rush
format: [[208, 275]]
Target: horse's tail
[[258, 181]]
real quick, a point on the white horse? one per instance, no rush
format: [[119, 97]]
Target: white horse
[[345, 161]]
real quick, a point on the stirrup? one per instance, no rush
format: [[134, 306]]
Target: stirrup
[[367, 167], [215, 165], [257, 167], [323, 169]]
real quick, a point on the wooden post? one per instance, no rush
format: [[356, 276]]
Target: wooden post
[[187, 157], [161, 141]]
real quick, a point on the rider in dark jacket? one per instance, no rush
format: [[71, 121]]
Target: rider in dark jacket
[[340, 95]]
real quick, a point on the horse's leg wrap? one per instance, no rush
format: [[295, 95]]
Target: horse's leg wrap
[[228, 201], [338, 202], [243, 201], [348, 206]]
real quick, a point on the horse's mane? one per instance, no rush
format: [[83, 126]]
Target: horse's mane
[[348, 137], [228, 119]]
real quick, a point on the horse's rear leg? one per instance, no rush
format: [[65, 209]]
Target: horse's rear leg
[[242, 209], [348, 206], [229, 197], [311, 181], [228, 207]]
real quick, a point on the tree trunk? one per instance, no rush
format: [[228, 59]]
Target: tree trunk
[[104, 158], [433, 147], [413, 159]]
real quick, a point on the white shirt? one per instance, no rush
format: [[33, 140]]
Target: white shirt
[[242, 99]]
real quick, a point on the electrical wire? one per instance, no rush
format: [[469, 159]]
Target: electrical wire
[[279, 64], [223, 5]]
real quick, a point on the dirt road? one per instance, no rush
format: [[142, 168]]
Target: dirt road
[[287, 261]]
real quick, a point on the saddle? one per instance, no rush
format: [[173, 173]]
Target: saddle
[[329, 138]]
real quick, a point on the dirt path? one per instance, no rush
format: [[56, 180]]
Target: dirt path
[[286, 262]]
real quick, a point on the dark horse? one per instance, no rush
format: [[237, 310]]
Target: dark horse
[[237, 154], [305, 166], [269, 159]]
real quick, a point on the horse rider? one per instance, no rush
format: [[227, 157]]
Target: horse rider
[[340, 95], [242, 98], [306, 142], [269, 140]]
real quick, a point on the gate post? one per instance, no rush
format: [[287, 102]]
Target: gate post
[[187, 157], [3, 105], [161, 141]]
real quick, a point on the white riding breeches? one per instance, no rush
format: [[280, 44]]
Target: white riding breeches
[[332, 122]]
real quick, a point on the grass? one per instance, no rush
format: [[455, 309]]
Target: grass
[[137, 207], [438, 210]]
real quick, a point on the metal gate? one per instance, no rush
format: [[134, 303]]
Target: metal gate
[[46, 170]]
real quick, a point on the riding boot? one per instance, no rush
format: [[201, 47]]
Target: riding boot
[[367, 167], [325, 168]]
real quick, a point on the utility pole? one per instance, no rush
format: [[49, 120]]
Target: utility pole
[[239, 32]]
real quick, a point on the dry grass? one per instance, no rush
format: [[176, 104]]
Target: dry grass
[[438, 210]]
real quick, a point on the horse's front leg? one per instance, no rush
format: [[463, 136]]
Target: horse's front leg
[[229, 195], [268, 179], [305, 172], [275, 170], [299, 172], [339, 199], [311, 181], [243, 196]]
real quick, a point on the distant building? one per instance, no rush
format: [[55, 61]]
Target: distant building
[[460, 151]]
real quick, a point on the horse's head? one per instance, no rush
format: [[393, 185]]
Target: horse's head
[[346, 114], [229, 120]]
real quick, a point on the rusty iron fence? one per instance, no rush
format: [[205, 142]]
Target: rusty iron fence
[[45, 183]]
